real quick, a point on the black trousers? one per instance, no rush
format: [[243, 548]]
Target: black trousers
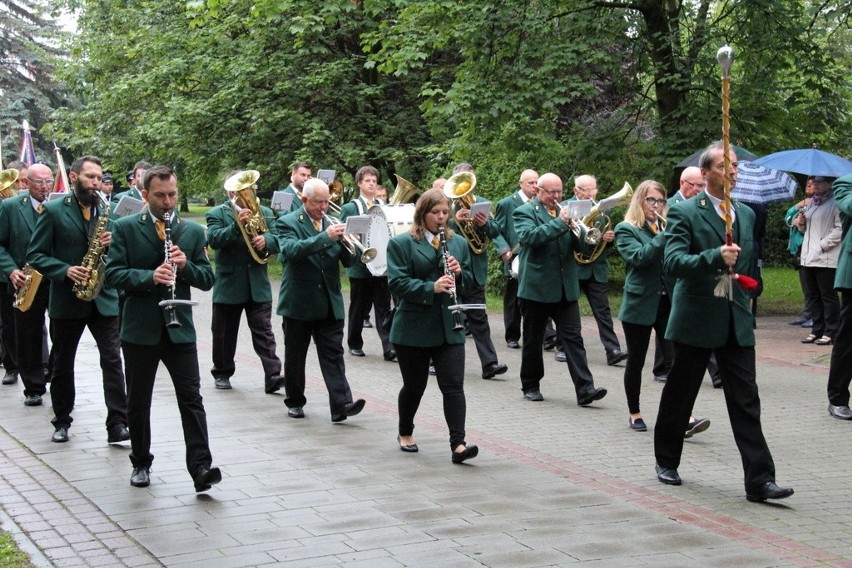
[[807, 293], [181, 360], [737, 365], [597, 294], [825, 306], [511, 310], [637, 338], [840, 372], [226, 326], [449, 370], [66, 338], [566, 315], [328, 336], [31, 342], [363, 293], [477, 321], [7, 327]]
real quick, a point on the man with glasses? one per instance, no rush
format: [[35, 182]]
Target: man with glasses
[[547, 239], [691, 183], [594, 279], [23, 337]]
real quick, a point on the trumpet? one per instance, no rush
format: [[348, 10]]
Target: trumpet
[[171, 303]]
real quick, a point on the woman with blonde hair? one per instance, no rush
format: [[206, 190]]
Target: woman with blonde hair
[[422, 278]]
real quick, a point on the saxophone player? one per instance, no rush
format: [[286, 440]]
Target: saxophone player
[[18, 218], [66, 230]]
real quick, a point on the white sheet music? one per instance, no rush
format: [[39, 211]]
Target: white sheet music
[[480, 207], [580, 208], [326, 175], [128, 206], [358, 225], [605, 205], [281, 201]]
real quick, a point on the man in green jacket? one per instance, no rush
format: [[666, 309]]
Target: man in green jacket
[[135, 190], [311, 301], [242, 284], [839, 375], [142, 263], [696, 256], [64, 237]]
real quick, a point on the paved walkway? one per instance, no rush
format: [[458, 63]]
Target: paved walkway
[[554, 484]]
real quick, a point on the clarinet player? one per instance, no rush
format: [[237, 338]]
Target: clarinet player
[[425, 279], [151, 266]]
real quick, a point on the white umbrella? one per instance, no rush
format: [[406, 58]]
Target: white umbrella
[[758, 184]]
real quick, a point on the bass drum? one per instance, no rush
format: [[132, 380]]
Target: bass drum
[[388, 222]]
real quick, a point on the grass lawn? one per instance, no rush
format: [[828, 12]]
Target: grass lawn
[[10, 555]]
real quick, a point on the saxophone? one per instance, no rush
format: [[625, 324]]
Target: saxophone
[[25, 295], [94, 260]]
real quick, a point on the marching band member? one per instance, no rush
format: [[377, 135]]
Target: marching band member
[[142, 263], [62, 237], [136, 181], [18, 218], [311, 302], [422, 330], [301, 172], [366, 289], [242, 284], [839, 375], [548, 243]]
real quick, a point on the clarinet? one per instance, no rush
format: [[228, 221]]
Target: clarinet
[[458, 325], [170, 307]]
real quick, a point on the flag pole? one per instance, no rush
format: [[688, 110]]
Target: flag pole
[[61, 184]]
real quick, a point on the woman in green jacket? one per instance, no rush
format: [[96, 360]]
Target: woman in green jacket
[[422, 277]]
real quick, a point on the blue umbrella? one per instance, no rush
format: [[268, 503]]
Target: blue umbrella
[[757, 184], [807, 161]]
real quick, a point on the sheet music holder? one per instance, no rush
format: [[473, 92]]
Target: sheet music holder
[[281, 201], [480, 207], [128, 205], [326, 175], [56, 195], [579, 208]]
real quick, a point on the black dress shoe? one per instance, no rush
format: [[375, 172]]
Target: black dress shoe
[[32, 400], [550, 343], [206, 478], [596, 394], [668, 475], [350, 409], [560, 356], [661, 378], [615, 357], [410, 448], [432, 370], [273, 384], [295, 412], [222, 383], [637, 425], [61, 435], [534, 396], [696, 426], [10, 378], [493, 370], [841, 412], [118, 434], [367, 323], [768, 491], [140, 477], [357, 352], [469, 452], [390, 355], [513, 345]]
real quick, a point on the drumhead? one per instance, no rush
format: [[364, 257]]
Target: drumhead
[[378, 237]]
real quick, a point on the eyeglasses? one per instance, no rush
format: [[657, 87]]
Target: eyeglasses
[[586, 188], [41, 181], [654, 201], [699, 185]]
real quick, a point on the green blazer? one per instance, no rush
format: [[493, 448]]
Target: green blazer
[[675, 199], [548, 270], [421, 318], [479, 262], [239, 277], [310, 285], [17, 222], [644, 282], [358, 269], [60, 241], [296, 204], [843, 198], [694, 234], [135, 252], [508, 238], [597, 270], [132, 192]]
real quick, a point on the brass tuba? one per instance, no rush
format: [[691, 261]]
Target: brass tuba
[[25, 295], [405, 192], [7, 183], [599, 223], [459, 189], [244, 185]]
